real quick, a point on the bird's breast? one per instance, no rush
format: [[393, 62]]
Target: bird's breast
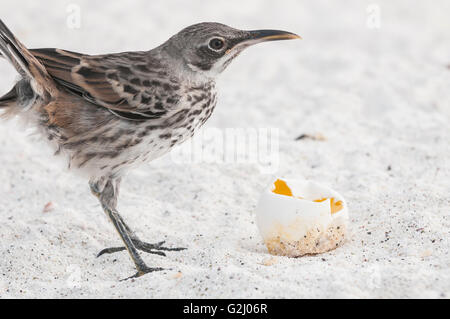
[[195, 108], [156, 138]]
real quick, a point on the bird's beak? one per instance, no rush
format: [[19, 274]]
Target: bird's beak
[[271, 35], [258, 36]]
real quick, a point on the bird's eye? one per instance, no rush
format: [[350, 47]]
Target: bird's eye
[[216, 44]]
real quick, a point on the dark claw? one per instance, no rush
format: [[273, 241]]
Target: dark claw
[[155, 252], [110, 250], [149, 247], [143, 271]]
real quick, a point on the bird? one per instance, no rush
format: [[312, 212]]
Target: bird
[[106, 114]]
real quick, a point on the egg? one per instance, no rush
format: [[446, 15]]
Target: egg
[[300, 217]]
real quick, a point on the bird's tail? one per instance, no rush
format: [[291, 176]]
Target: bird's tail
[[35, 80]]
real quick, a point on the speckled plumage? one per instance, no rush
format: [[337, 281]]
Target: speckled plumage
[[109, 113]]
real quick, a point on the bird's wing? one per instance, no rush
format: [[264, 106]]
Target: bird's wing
[[130, 84]]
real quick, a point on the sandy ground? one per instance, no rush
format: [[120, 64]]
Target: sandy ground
[[379, 96]]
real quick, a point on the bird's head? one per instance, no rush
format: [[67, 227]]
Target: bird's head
[[208, 48]]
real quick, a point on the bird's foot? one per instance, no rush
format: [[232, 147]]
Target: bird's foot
[[142, 271], [157, 249]]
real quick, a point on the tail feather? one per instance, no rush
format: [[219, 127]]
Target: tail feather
[[9, 97], [8, 103], [35, 79], [10, 49], [23, 60]]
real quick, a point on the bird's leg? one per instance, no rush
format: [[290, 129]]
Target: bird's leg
[[141, 267], [157, 248], [108, 200]]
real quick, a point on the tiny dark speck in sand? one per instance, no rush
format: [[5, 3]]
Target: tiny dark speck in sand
[[314, 137]]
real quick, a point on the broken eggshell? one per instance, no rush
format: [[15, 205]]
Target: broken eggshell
[[298, 217]]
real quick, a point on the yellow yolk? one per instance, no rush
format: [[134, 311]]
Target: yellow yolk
[[281, 188], [335, 206]]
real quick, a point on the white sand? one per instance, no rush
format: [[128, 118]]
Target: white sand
[[381, 98]]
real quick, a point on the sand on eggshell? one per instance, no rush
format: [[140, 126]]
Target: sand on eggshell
[[313, 242]]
